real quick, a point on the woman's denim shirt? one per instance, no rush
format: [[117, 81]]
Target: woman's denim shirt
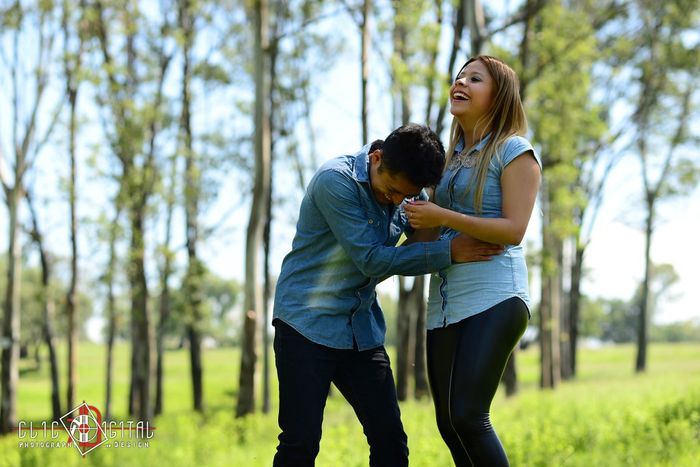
[[463, 290], [344, 244]]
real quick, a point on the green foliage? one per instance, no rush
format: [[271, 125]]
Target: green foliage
[[608, 416]]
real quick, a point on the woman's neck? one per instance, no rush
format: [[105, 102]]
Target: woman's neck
[[473, 133]]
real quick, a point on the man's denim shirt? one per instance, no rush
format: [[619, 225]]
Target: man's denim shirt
[[344, 244]]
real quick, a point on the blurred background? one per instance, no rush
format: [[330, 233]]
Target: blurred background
[[153, 155]]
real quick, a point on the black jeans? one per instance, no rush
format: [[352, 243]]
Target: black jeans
[[465, 364], [305, 371]]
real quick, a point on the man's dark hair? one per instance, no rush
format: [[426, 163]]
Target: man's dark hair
[[416, 152]]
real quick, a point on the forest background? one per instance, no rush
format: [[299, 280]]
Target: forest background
[[153, 156]]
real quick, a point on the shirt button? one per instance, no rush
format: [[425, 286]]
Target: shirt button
[[371, 221]]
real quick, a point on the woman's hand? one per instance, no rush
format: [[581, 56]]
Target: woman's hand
[[424, 214]]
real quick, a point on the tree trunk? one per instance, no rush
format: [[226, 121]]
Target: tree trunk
[[421, 388], [510, 374], [404, 339], [112, 317], [366, 40], [164, 304], [564, 316], [575, 304], [549, 312], [192, 187], [642, 331], [253, 299], [11, 318], [49, 312], [458, 28], [71, 296], [141, 338]]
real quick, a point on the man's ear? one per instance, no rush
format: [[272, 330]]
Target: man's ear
[[376, 156]]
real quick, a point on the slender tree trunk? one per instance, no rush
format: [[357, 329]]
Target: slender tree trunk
[[366, 40], [549, 312], [112, 315], [253, 299], [265, 302], [164, 304], [510, 374], [575, 304], [195, 271], [564, 316], [421, 388], [642, 331], [141, 338], [432, 65], [71, 296], [49, 312], [477, 26], [458, 28], [11, 318], [404, 339]]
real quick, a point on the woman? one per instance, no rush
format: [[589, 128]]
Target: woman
[[477, 312]]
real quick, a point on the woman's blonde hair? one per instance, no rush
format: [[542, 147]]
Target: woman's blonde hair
[[504, 119]]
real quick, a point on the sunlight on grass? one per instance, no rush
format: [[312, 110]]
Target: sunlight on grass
[[608, 416]]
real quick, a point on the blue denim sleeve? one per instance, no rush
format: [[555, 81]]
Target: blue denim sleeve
[[516, 146], [337, 198]]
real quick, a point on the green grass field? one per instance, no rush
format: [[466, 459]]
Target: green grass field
[[607, 417]]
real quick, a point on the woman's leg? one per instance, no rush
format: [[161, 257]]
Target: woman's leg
[[484, 344], [441, 347]]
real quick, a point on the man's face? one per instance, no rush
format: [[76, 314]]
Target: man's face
[[389, 188]]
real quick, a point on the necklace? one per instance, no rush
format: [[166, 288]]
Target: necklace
[[466, 158]]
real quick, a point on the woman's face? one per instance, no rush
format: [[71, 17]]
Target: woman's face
[[471, 95]]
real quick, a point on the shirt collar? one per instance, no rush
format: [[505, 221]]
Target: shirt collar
[[361, 169], [477, 147]]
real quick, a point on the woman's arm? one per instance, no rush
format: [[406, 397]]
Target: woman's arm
[[423, 235], [519, 183]]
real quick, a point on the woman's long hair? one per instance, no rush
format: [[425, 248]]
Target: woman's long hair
[[504, 119]]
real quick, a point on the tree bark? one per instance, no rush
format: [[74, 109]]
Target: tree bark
[[49, 312], [575, 305], [421, 388], [112, 313], [405, 323], [253, 298], [11, 319], [642, 330], [458, 28], [549, 302], [71, 296], [366, 39]]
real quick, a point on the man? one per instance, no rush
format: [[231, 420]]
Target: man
[[328, 324]]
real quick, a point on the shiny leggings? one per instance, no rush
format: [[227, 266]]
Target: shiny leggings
[[465, 363]]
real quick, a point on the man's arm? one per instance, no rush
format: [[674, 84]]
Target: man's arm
[[336, 197]]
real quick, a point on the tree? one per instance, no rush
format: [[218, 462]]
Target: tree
[[252, 302], [135, 125], [72, 63], [667, 70], [29, 101], [49, 307]]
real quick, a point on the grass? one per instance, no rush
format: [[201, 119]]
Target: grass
[[607, 416]]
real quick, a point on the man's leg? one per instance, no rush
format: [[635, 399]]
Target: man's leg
[[366, 381], [304, 370]]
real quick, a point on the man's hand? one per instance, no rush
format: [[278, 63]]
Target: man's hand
[[466, 249]]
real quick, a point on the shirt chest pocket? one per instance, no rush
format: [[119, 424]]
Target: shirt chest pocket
[[377, 225]]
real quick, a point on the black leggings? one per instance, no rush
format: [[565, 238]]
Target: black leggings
[[465, 364]]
